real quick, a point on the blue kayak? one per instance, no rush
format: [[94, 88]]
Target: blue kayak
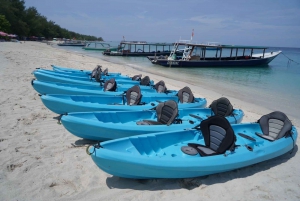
[[108, 125], [48, 77], [78, 71], [43, 87], [133, 100], [81, 76], [215, 147]]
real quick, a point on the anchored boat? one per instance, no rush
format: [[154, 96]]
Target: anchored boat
[[197, 55], [142, 48], [100, 46]]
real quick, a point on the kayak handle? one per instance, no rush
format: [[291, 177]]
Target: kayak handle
[[87, 150]]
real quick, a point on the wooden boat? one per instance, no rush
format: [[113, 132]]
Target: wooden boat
[[196, 55], [100, 46], [194, 152], [141, 48], [106, 125]]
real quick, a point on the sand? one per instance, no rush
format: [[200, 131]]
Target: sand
[[40, 160]]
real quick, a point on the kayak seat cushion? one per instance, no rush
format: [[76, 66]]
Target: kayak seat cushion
[[145, 81], [185, 95], [133, 95], [137, 77], [160, 87], [105, 72], [110, 85], [274, 126], [221, 107], [166, 113], [218, 136]]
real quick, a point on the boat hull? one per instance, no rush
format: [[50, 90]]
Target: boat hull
[[213, 62], [160, 156], [103, 126]]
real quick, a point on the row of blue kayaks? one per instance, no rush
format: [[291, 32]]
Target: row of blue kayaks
[[147, 131]]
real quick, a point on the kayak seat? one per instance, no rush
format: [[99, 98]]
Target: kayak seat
[[133, 95], [110, 85], [218, 137], [105, 72], [274, 126], [137, 77], [160, 87], [145, 81], [98, 76], [185, 95], [94, 71], [221, 107], [166, 113]]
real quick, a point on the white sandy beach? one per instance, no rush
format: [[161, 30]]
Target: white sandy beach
[[40, 160]]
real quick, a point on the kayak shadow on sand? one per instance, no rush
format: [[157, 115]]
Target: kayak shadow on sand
[[202, 182], [83, 143]]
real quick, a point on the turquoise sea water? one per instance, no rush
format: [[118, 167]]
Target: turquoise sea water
[[276, 87]]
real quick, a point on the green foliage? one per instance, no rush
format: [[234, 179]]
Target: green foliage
[[4, 24], [16, 19]]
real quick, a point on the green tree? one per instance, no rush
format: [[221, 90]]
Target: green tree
[[4, 24], [29, 22]]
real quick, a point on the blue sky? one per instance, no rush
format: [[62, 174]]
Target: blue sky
[[273, 23]]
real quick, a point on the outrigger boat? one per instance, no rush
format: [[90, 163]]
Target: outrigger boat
[[100, 46], [196, 55], [142, 48], [76, 43]]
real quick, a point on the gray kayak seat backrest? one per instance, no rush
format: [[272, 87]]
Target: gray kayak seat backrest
[[98, 76], [94, 71], [137, 77], [110, 85], [274, 125], [166, 113], [221, 107], [160, 87], [133, 95], [145, 81], [185, 95], [105, 72], [218, 137]]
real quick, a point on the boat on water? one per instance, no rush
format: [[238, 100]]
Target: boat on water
[[197, 55], [76, 43], [142, 48], [100, 46], [106, 125], [215, 146], [212, 45]]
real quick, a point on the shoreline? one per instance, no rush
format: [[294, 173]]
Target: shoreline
[[40, 160]]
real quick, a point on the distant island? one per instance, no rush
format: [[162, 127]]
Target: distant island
[[28, 23]]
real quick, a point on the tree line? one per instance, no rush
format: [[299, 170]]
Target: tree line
[[26, 22]]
